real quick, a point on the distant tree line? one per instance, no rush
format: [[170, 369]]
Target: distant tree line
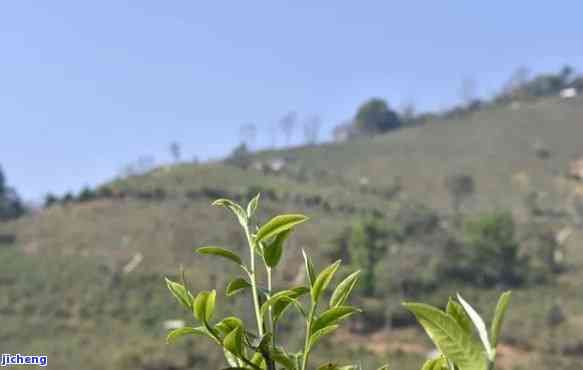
[[87, 194], [287, 127], [11, 205], [375, 116], [521, 87]]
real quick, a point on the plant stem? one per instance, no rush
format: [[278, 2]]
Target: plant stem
[[269, 288], [308, 334], [253, 282], [271, 363]]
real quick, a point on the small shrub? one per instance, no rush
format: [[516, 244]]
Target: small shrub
[[68, 198], [211, 192], [86, 195], [373, 317], [489, 252], [105, 192], [375, 117], [384, 249], [50, 199], [415, 220], [555, 316], [7, 239], [240, 156], [541, 246], [11, 206], [460, 187], [366, 246]]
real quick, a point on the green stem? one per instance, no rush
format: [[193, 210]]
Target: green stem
[[269, 288], [308, 334], [253, 282], [270, 362]]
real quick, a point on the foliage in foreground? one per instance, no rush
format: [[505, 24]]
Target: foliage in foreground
[[451, 330]]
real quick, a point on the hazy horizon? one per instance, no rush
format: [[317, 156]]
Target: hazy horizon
[[87, 88]]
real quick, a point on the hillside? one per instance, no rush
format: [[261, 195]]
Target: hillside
[[65, 292], [495, 146]]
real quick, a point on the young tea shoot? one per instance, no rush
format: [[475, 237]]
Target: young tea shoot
[[460, 334], [257, 346]]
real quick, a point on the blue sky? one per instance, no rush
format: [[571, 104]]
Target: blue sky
[[86, 87]]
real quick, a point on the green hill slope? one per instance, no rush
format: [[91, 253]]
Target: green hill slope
[[493, 145], [66, 288]]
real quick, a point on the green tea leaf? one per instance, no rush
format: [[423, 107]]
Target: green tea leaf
[[310, 270], [258, 360], [323, 280], [281, 305], [180, 332], [282, 358], [456, 311], [272, 251], [284, 295], [199, 306], [233, 341], [228, 324], [258, 247], [277, 225], [499, 313], [232, 360], [235, 208], [252, 206], [435, 364], [204, 305], [344, 289], [180, 293], [315, 338], [296, 304], [480, 326], [210, 305], [273, 299], [237, 285], [449, 337], [221, 252], [333, 316]]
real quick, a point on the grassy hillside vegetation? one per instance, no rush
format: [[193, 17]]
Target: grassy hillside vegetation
[[497, 147], [82, 281]]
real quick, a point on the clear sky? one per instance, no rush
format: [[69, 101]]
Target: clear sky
[[86, 87]]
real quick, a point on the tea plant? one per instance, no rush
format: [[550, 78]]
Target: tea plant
[[260, 349], [452, 333]]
